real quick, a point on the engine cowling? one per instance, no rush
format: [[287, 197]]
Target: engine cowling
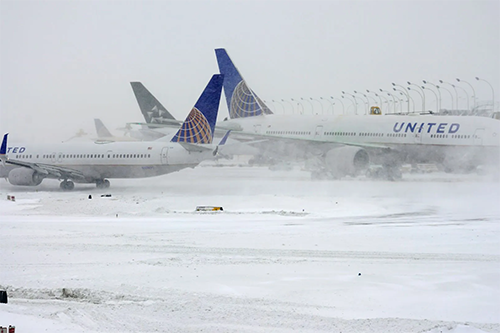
[[24, 177], [346, 161]]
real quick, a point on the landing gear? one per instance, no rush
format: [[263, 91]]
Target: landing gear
[[67, 185], [102, 183], [385, 172]]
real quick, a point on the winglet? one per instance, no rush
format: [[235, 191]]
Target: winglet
[[152, 110], [224, 139], [3, 148], [102, 131], [200, 123], [241, 100]]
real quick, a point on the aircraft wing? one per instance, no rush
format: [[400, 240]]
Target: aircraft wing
[[177, 123], [256, 138], [165, 123], [49, 170]]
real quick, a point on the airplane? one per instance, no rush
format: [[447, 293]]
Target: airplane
[[346, 145], [154, 113], [142, 134], [95, 162], [159, 122], [104, 135]]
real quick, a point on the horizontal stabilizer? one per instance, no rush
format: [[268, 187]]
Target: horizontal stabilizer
[[224, 139]]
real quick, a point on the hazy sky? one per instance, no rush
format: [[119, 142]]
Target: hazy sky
[[64, 63]]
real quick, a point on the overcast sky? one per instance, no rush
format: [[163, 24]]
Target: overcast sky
[[64, 63]]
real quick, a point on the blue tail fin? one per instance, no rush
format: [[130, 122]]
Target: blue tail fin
[[200, 123], [3, 148], [241, 101], [152, 110]]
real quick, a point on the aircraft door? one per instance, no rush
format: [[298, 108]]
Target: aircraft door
[[318, 133], [478, 136], [256, 129], [164, 154]]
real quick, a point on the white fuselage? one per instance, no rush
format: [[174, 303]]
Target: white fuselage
[[108, 160], [425, 137]]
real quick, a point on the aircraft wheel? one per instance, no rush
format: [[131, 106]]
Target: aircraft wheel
[[102, 183], [67, 185]]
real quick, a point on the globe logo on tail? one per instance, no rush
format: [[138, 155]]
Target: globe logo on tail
[[195, 129], [244, 103]]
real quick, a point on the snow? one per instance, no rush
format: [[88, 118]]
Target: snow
[[287, 254]]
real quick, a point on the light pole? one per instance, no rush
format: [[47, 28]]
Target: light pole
[[342, 103], [293, 111], [423, 94], [298, 103], [367, 101], [449, 91], [406, 93], [375, 102], [313, 99], [454, 88], [393, 99], [380, 99], [408, 98], [473, 92], [311, 104], [330, 102], [466, 95], [492, 92], [279, 104], [355, 102], [437, 101], [439, 92]]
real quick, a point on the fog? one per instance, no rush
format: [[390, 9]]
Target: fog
[[64, 63]]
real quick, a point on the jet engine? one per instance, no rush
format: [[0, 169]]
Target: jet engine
[[25, 177], [346, 161]]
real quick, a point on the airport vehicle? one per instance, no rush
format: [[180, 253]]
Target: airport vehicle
[[96, 162], [345, 145]]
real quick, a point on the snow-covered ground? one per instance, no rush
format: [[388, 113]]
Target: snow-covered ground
[[286, 254]]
